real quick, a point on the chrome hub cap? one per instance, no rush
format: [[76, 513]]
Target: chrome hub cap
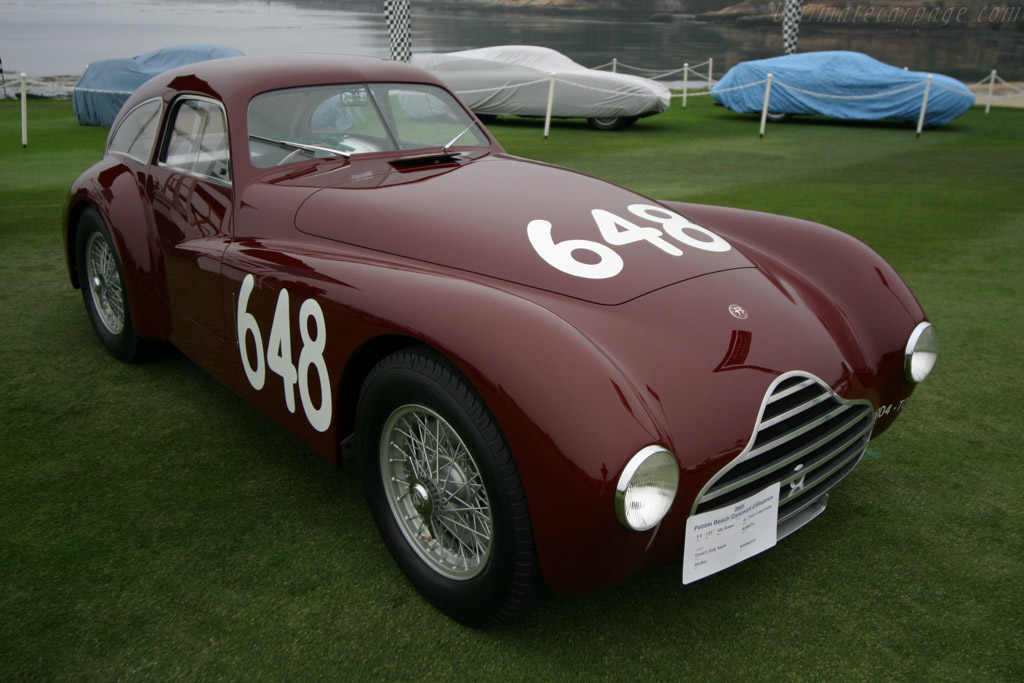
[[435, 492], [104, 283]]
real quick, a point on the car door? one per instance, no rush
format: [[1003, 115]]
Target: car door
[[191, 195]]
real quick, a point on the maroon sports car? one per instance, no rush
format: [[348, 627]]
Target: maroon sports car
[[549, 380]]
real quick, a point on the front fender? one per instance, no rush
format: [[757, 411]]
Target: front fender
[[571, 417], [863, 302]]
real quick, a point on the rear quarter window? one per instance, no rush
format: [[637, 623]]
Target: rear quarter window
[[137, 131]]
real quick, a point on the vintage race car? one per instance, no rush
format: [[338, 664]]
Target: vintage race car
[[514, 80], [548, 380], [842, 85]]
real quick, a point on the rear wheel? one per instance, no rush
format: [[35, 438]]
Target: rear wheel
[[103, 289], [611, 122], [778, 117], [444, 491]]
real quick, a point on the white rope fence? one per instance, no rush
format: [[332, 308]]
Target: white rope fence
[[552, 80], [62, 88], [1005, 85], [770, 82], [704, 81]]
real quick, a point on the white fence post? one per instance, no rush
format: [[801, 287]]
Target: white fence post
[[24, 111], [551, 103], [767, 97], [991, 85], [711, 71], [924, 104], [686, 81], [615, 65]]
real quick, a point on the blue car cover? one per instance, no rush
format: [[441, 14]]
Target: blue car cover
[[105, 85], [843, 85]]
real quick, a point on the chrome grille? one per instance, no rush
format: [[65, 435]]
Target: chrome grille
[[807, 439]]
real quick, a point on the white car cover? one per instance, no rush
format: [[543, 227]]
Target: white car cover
[[515, 79]]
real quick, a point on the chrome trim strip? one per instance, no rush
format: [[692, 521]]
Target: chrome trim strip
[[789, 436], [792, 390], [796, 410]]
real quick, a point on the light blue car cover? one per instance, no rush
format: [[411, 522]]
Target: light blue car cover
[[843, 85], [105, 85]]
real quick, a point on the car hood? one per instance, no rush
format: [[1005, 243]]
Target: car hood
[[474, 216]]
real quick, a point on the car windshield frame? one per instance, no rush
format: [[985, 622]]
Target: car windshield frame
[[327, 121]]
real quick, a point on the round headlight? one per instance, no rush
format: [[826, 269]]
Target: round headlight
[[646, 488], [922, 350]]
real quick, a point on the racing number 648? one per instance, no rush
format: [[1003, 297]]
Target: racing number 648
[[619, 231], [278, 356]]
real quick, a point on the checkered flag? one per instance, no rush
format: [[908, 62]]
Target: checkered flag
[[791, 25], [399, 18]]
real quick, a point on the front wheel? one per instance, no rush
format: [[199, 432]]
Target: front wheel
[[103, 289], [444, 491]]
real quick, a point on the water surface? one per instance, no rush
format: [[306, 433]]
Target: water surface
[[51, 37]]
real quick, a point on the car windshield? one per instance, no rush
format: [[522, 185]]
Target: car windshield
[[297, 124]]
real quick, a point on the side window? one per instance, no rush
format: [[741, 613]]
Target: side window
[[197, 142], [135, 135]]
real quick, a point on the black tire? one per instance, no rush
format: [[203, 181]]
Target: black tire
[[407, 399], [103, 289], [611, 122], [778, 117]]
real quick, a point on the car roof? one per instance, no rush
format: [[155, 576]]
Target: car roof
[[235, 80]]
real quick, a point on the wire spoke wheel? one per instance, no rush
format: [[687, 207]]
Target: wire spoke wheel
[[436, 492], [104, 282], [444, 490], [105, 289]]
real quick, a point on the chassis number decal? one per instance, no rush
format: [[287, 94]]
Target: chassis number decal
[[278, 355], [618, 231]]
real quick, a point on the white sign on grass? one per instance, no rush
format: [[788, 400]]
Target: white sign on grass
[[721, 538]]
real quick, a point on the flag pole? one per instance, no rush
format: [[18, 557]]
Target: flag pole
[[3, 79]]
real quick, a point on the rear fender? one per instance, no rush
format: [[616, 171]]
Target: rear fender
[[116, 193]]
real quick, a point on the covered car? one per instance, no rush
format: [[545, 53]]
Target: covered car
[[515, 80], [843, 85], [548, 380], [106, 84]]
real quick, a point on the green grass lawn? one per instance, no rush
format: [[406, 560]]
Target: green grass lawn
[[152, 525]]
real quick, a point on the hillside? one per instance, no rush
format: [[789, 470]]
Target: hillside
[[917, 14]]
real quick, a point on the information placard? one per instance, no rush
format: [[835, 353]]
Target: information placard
[[721, 538]]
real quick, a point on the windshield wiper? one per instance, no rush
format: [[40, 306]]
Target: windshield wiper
[[303, 146], [455, 139]]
